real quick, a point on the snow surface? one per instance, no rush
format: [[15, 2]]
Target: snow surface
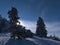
[[5, 40], [43, 41]]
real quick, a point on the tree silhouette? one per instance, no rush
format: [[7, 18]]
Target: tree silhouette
[[2, 23], [16, 30], [41, 29], [29, 33], [13, 17]]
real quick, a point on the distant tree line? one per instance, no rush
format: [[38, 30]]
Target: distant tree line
[[54, 37]]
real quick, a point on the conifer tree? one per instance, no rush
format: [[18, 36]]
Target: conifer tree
[[16, 30], [41, 29], [13, 17], [2, 23]]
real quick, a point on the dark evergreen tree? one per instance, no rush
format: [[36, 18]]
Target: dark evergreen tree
[[41, 29], [13, 17], [29, 33], [16, 30], [2, 23]]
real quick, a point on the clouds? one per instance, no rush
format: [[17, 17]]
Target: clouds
[[29, 25], [53, 28]]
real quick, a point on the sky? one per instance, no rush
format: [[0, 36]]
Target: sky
[[30, 10]]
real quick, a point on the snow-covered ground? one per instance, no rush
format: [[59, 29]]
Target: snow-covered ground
[[43, 41], [5, 40]]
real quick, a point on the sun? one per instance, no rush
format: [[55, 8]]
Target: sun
[[18, 23], [21, 23]]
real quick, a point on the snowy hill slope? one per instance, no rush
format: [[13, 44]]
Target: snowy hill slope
[[5, 40], [43, 41], [33, 41], [4, 37], [19, 42]]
